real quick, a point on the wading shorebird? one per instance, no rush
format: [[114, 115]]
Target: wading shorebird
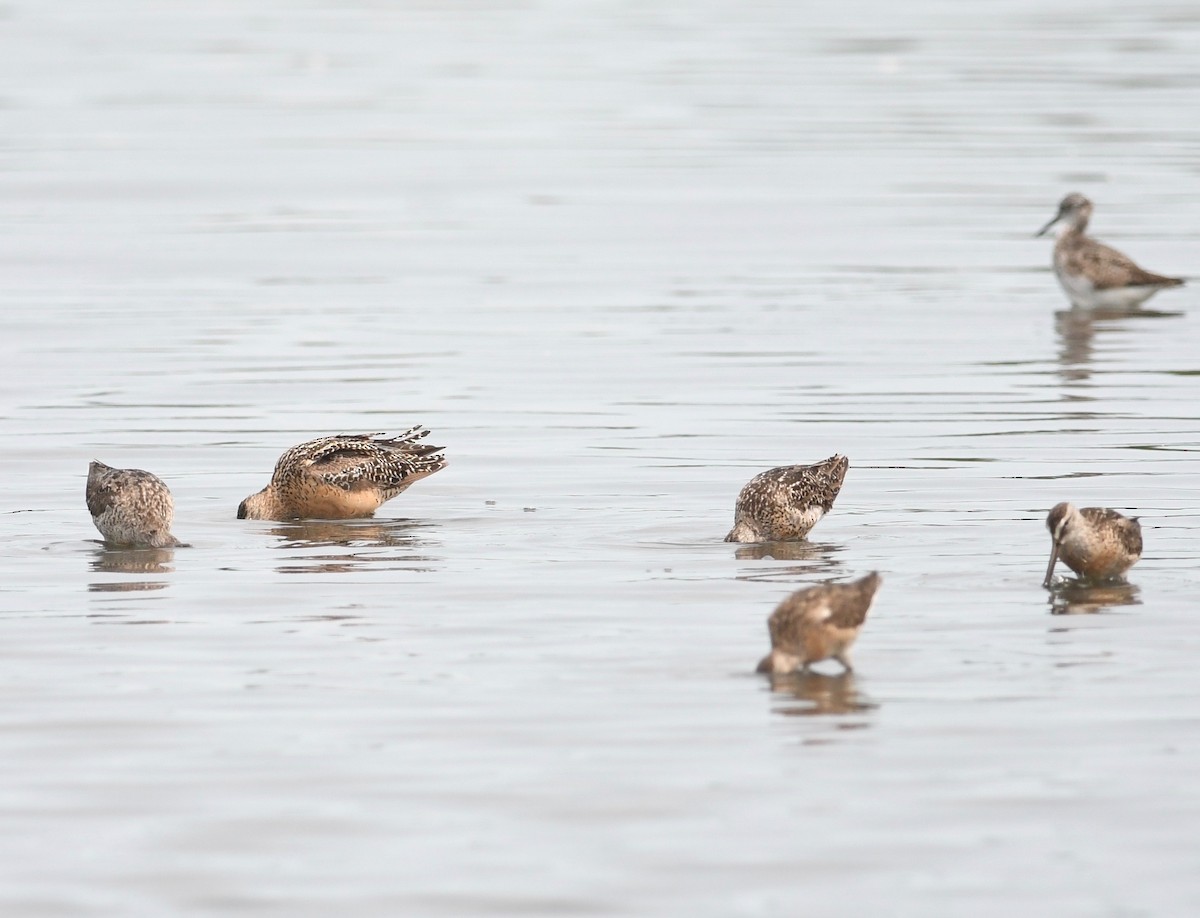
[[819, 623], [130, 507], [783, 504], [343, 477], [1093, 275], [1095, 542]]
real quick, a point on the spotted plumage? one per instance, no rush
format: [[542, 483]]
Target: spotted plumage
[[343, 476], [130, 507], [783, 504], [1095, 542], [818, 623], [1093, 275]]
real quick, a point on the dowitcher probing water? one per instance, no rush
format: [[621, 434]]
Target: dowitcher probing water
[[1093, 275], [1095, 542], [131, 508], [343, 477], [818, 623], [783, 504]]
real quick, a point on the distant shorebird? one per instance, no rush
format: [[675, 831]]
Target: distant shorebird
[[783, 504], [131, 508], [818, 623], [1095, 542], [343, 477], [1093, 275]]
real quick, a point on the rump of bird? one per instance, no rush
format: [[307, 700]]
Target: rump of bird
[[131, 507], [818, 623], [785, 503]]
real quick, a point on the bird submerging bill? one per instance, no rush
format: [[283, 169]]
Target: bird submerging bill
[[343, 477], [1095, 542], [130, 507], [818, 623], [784, 504], [1093, 275]]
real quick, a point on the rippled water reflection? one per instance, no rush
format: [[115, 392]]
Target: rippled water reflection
[[809, 694], [132, 561], [618, 260], [1074, 597]]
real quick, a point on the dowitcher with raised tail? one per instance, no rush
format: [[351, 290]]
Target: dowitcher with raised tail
[[1093, 275], [130, 507], [818, 623], [343, 477], [1095, 542], [783, 504]]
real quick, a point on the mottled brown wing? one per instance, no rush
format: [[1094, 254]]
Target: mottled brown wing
[[296, 461], [1131, 538], [360, 461], [817, 484], [99, 498], [1109, 268], [1128, 529], [849, 606], [787, 623]]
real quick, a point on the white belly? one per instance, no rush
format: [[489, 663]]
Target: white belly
[[1083, 293]]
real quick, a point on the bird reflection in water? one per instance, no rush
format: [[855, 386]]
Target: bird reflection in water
[[131, 561], [819, 558], [1077, 329], [364, 537], [1078, 597], [818, 694]]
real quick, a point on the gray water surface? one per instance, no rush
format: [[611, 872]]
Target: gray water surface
[[619, 257]]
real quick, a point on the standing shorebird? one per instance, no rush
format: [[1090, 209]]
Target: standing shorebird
[[1095, 542], [343, 477], [1093, 275], [130, 507], [818, 623], [783, 504]]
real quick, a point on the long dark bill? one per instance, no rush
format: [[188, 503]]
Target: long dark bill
[[1050, 569], [1042, 231]]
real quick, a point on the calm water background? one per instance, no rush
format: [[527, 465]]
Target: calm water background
[[619, 257]]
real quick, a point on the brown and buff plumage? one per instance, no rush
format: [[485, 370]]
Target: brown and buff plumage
[[784, 504], [1095, 542], [343, 477], [130, 507], [818, 623], [1094, 275]]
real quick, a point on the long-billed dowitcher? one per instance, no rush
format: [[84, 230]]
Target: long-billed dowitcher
[[1093, 275], [343, 477], [818, 623], [130, 507], [783, 504], [1095, 542]]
